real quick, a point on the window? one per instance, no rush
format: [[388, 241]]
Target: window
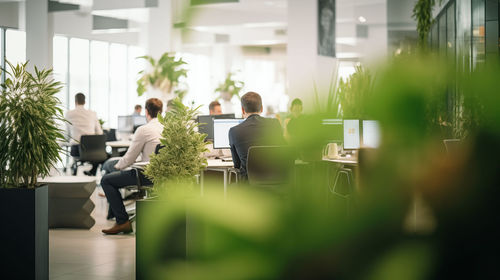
[[200, 91], [78, 69], [134, 66], [99, 80], [15, 46], [60, 66], [478, 32], [118, 83]]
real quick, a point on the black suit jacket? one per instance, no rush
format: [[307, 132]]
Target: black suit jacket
[[254, 131]]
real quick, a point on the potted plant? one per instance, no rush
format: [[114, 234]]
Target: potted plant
[[164, 75], [173, 172], [29, 147], [229, 88]]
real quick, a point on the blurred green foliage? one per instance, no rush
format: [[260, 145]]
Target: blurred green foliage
[[311, 233], [181, 157]]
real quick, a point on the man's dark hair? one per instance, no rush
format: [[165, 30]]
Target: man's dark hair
[[296, 101], [137, 107], [80, 98], [251, 102], [154, 106], [213, 104]]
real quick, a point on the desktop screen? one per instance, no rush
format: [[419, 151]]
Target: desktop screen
[[207, 124], [334, 131], [125, 124], [351, 134], [371, 134], [139, 120], [221, 132]]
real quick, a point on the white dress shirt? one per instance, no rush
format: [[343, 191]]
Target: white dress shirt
[[82, 122], [146, 137]]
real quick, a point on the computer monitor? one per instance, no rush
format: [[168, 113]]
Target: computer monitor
[[351, 134], [221, 132], [207, 124], [333, 130], [139, 120], [371, 134], [125, 124]]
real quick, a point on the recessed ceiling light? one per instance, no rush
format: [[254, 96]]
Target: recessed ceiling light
[[362, 19]]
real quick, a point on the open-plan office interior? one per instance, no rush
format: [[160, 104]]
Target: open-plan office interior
[[249, 139]]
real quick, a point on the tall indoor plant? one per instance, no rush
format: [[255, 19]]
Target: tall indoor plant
[[164, 75], [29, 148], [173, 172], [229, 88]]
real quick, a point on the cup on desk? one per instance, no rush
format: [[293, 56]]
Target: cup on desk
[[331, 151]]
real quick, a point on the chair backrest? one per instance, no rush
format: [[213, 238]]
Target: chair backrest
[[93, 148], [270, 165], [110, 134]]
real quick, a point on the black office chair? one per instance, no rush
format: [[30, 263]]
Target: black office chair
[[92, 149], [270, 165], [110, 134]]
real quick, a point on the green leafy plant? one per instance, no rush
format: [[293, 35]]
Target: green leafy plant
[[181, 158], [422, 13], [164, 74], [29, 133], [333, 101], [353, 92], [230, 87]]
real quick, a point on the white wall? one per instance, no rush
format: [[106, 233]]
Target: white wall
[[304, 66]]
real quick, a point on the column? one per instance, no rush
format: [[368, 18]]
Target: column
[[38, 37]]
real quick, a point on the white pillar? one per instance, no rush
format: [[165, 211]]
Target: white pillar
[[304, 66], [160, 29], [38, 37]]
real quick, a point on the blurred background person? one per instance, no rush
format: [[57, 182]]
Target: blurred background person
[[81, 122], [290, 124], [137, 110], [215, 108]]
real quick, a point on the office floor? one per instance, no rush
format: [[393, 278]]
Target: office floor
[[88, 254]]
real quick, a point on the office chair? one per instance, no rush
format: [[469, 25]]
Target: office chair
[[110, 134], [92, 149], [341, 192], [451, 145], [270, 165]]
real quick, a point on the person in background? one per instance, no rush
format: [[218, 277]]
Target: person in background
[[146, 138], [253, 131], [290, 124], [82, 122], [215, 108], [137, 110]]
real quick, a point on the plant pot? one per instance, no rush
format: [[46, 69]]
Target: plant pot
[[226, 96], [164, 234], [25, 233]]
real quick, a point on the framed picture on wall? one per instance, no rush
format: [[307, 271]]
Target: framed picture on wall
[[326, 28]]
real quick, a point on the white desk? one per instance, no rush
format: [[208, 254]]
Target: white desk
[[221, 166], [343, 160], [115, 145]]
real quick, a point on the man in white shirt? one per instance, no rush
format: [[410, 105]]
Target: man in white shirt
[[82, 122], [146, 138]]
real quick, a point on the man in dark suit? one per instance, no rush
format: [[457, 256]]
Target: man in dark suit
[[254, 131]]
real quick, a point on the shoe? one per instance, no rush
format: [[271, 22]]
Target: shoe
[[125, 228]]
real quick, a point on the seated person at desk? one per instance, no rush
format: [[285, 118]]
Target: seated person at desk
[[137, 110], [145, 140], [215, 108], [82, 122], [254, 131]]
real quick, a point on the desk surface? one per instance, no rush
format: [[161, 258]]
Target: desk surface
[[67, 179], [213, 163], [119, 144], [343, 160]]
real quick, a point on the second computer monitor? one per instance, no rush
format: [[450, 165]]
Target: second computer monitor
[[333, 130], [371, 134], [351, 135], [125, 124], [221, 132], [206, 124]]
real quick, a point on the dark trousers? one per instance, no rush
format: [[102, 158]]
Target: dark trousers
[[111, 183], [75, 152]]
